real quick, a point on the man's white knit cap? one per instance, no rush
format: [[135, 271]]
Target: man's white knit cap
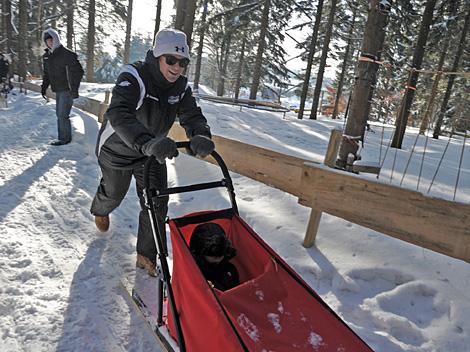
[[170, 41]]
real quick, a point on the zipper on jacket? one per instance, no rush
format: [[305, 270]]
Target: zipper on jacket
[[68, 77]]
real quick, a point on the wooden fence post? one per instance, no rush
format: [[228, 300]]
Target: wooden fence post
[[333, 147], [330, 161]]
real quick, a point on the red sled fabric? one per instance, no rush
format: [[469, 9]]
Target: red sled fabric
[[272, 309]]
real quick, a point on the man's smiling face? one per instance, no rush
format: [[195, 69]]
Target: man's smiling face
[[170, 72]]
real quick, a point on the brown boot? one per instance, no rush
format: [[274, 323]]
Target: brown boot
[[145, 263], [102, 223]]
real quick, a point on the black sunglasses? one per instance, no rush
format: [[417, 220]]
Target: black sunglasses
[[171, 60]]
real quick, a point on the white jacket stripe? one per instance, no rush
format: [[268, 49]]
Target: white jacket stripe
[[132, 70], [108, 132], [185, 90]]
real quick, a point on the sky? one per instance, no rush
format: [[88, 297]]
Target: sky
[[60, 279], [144, 12]]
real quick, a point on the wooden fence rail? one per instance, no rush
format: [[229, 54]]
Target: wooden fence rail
[[436, 224]]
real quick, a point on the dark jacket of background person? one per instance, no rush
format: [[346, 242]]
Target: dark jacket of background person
[[143, 106], [4, 67], [62, 70]]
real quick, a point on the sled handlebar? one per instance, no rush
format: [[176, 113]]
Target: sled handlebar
[[225, 182]]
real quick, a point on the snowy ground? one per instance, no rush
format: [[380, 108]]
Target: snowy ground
[[60, 278]]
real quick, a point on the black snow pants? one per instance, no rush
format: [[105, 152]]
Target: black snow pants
[[113, 187]]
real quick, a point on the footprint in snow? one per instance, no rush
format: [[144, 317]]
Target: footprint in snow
[[20, 263], [416, 302], [371, 282]]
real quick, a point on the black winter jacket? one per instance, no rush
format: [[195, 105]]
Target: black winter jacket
[[223, 275], [144, 105], [4, 67], [62, 70]]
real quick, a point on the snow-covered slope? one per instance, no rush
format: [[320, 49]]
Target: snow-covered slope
[[59, 277]]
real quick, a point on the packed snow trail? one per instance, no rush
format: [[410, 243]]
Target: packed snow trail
[[59, 277], [62, 277]]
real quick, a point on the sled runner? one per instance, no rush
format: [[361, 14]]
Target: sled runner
[[272, 309]]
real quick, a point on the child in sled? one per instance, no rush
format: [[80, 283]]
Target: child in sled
[[212, 251]]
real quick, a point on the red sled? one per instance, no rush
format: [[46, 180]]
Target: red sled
[[273, 308]]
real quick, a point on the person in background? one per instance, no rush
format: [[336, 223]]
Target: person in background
[[212, 251], [6, 85], [147, 98], [63, 72]]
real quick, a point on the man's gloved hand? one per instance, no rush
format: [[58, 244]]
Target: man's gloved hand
[[201, 145], [74, 94], [43, 92], [161, 148]]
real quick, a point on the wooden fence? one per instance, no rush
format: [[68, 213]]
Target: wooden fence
[[436, 224]]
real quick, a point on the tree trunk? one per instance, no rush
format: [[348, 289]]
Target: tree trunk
[[180, 13], [427, 115], [238, 81], [54, 13], [311, 53], [127, 42], [450, 82], [371, 50], [69, 20], [189, 20], [39, 30], [90, 52], [202, 31], [3, 41], [324, 55], [410, 89], [223, 66], [157, 19], [339, 91], [22, 37], [8, 28], [261, 45]]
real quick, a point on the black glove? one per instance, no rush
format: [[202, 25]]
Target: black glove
[[43, 92], [74, 94], [201, 145], [161, 148]]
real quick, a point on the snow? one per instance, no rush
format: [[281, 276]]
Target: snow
[[59, 277], [315, 340], [274, 320], [250, 328]]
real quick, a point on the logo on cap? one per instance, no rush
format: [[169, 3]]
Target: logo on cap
[[179, 48]]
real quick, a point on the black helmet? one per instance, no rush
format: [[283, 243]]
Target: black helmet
[[210, 239]]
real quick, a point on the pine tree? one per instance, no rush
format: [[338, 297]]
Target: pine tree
[[450, 82], [90, 52], [184, 19], [202, 31], [22, 37], [157, 19], [453, 6], [410, 89], [260, 51], [7, 27], [347, 54], [324, 54], [70, 32], [127, 41], [311, 53], [367, 67]]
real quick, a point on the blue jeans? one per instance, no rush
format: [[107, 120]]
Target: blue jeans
[[63, 106]]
